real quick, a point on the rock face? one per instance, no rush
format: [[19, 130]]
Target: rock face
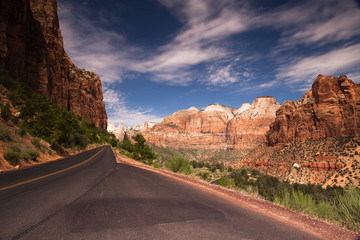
[[31, 48], [216, 127], [248, 129], [118, 131], [323, 166], [330, 109]]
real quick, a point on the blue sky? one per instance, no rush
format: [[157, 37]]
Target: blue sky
[[156, 57]]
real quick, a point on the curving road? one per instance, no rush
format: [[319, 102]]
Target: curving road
[[90, 196]]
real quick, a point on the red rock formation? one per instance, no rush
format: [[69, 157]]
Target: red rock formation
[[330, 109], [31, 48], [248, 129], [191, 129], [323, 166], [216, 127]]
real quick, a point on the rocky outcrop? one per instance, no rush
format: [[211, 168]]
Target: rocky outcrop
[[248, 129], [330, 109], [323, 166], [216, 127], [31, 48], [118, 131]]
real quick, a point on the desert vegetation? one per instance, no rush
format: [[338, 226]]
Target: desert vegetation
[[179, 164], [334, 204], [138, 150]]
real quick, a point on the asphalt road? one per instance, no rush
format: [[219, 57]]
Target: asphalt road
[[100, 199]]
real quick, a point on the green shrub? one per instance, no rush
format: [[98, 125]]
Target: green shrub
[[204, 175], [156, 165], [5, 134], [130, 155], [16, 148], [226, 182], [325, 210], [302, 202], [32, 153], [348, 208], [197, 164], [36, 142], [179, 164], [114, 142], [128, 146], [25, 156], [12, 157], [78, 140]]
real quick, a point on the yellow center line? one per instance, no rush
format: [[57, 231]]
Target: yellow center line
[[50, 174]]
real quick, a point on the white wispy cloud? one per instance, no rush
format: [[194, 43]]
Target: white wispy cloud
[[118, 112], [95, 48], [206, 24], [223, 76], [313, 22], [345, 60]]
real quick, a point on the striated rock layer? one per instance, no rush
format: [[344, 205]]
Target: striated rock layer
[[31, 48], [216, 127], [330, 109], [118, 131]]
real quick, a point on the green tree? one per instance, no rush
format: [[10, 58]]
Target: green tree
[[114, 141], [140, 141], [128, 146]]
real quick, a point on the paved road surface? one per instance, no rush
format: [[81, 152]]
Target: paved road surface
[[101, 199]]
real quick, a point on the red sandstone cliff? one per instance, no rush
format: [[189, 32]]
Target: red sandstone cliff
[[216, 127], [31, 48], [330, 109], [247, 130]]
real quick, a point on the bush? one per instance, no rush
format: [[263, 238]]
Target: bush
[[6, 112], [226, 182], [179, 164], [25, 156], [78, 139], [32, 153], [325, 210], [128, 146], [197, 164], [12, 157], [114, 142], [5, 134], [204, 175], [16, 148], [36, 142], [348, 208]]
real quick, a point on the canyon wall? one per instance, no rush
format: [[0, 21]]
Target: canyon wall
[[31, 49], [330, 109], [216, 127]]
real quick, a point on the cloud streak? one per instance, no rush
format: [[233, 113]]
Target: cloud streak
[[201, 40], [118, 112], [345, 60], [313, 22]]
